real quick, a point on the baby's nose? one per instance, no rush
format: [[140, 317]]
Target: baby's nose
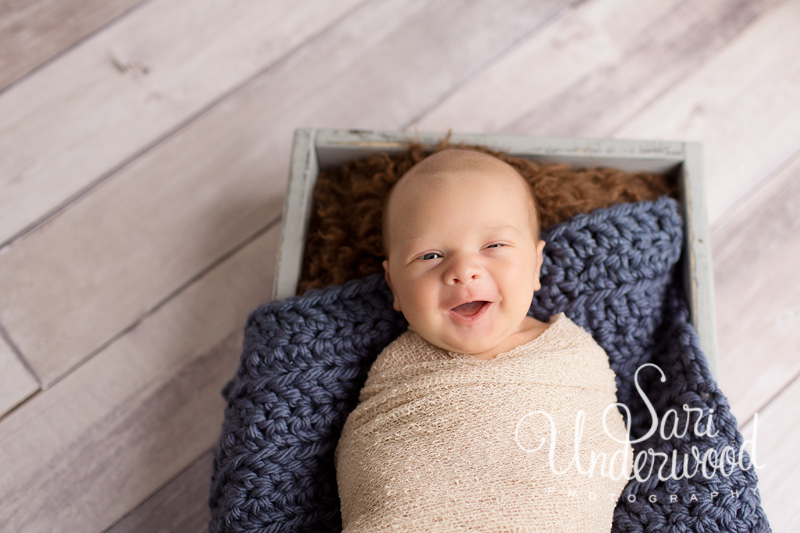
[[463, 270]]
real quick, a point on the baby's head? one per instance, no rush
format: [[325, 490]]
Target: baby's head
[[463, 252]]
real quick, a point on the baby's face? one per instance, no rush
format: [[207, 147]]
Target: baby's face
[[463, 260]]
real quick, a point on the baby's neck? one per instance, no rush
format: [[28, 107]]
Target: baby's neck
[[530, 329]]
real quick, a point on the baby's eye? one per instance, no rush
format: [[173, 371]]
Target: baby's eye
[[430, 255], [496, 245]]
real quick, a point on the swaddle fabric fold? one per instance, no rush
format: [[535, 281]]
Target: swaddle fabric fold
[[442, 441]]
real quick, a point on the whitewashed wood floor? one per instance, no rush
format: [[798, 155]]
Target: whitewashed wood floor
[[144, 149]]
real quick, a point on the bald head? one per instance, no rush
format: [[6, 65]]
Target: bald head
[[450, 164]]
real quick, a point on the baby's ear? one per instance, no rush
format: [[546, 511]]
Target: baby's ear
[[386, 275], [539, 260]]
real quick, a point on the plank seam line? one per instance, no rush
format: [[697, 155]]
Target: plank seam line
[[770, 401], [6, 337], [177, 291], [192, 463], [21, 357], [58, 55], [740, 203], [173, 131], [492, 61], [713, 54]]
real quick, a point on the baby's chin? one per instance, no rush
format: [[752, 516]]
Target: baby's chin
[[479, 340]]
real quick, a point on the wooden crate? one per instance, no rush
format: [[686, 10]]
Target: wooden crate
[[320, 148]]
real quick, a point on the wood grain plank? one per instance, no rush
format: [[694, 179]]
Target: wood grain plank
[[776, 434], [742, 106], [163, 218], [84, 453], [654, 70], [756, 250], [182, 505], [73, 121], [36, 30], [595, 68], [16, 383]]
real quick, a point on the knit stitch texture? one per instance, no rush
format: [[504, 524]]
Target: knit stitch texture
[[614, 272]]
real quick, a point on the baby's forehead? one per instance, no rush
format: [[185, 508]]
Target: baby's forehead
[[452, 165], [455, 160], [440, 178]]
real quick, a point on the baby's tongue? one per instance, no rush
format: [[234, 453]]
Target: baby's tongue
[[468, 309]]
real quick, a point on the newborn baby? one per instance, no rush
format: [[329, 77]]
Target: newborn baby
[[479, 417]]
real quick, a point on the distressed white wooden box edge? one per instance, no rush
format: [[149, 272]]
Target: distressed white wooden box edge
[[315, 148]]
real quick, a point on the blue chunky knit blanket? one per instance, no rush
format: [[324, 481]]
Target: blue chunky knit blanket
[[614, 272]]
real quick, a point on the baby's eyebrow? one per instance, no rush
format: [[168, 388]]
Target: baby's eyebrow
[[409, 245], [411, 240], [504, 226]]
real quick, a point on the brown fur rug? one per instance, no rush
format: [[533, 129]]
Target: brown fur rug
[[344, 241]]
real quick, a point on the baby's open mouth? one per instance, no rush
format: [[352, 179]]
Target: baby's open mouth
[[470, 308]]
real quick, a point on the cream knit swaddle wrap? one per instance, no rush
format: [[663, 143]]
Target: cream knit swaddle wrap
[[443, 441]]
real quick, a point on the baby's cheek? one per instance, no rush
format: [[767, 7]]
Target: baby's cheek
[[424, 295]]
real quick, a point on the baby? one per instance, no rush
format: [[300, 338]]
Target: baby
[[478, 417]]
